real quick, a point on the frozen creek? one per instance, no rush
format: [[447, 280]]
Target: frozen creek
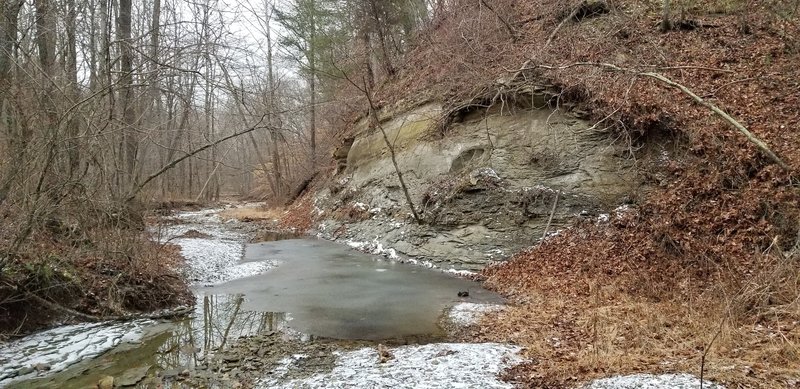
[[291, 313], [297, 313]]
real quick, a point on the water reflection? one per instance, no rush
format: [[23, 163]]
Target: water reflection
[[166, 349], [219, 321]]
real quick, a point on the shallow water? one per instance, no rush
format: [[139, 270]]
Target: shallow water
[[140, 348], [333, 291], [302, 288]]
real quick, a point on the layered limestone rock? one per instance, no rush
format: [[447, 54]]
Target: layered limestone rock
[[485, 185]]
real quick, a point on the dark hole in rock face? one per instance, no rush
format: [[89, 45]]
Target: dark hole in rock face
[[465, 158]]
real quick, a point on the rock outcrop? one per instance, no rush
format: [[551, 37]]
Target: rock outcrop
[[485, 185]]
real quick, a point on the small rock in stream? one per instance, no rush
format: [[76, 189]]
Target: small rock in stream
[[40, 367], [133, 376], [106, 382]]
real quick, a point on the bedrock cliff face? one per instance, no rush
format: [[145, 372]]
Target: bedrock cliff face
[[485, 187]]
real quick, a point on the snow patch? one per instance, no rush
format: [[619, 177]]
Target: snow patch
[[214, 257], [461, 273], [375, 247], [620, 211], [466, 314], [56, 349], [651, 381], [440, 365]]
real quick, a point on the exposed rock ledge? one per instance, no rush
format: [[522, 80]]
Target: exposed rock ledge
[[486, 188]]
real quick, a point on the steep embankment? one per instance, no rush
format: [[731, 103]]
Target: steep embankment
[[685, 258], [66, 272]]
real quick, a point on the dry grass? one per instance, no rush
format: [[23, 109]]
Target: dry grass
[[596, 328]]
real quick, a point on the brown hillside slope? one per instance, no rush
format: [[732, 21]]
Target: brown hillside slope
[[712, 253]]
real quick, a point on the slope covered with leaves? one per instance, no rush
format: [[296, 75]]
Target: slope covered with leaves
[[699, 273]]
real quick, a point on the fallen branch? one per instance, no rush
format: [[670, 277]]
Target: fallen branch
[[60, 308], [163, 314], [699, 100], [563, 22]]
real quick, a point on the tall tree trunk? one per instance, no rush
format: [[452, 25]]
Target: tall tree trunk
[[126, 98], [155, 42], [387, 58], [73, 152], [368, 69], [276, 160], [666, 24], [46, 46], [93, 74], [312, 83], [15, 144]]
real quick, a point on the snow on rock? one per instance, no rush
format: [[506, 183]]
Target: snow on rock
[[61, 347], [461, 273], [651, 381], [439, 365], [375, 247], [465, 314]]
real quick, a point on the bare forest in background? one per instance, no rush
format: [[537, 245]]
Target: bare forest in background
[[108, 106]]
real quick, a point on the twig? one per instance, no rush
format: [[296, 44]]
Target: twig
[[511, 30], [691, 68], [374, 118], [552, 213], [705, 352]]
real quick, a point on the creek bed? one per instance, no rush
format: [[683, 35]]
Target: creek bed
[[286, 313]]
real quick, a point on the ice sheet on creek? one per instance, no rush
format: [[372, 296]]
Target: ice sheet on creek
[[214, 257], [439, 365], [335, 292], [56, 349]]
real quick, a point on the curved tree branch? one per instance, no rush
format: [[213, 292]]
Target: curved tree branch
[[699, 100], [138, 188]]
